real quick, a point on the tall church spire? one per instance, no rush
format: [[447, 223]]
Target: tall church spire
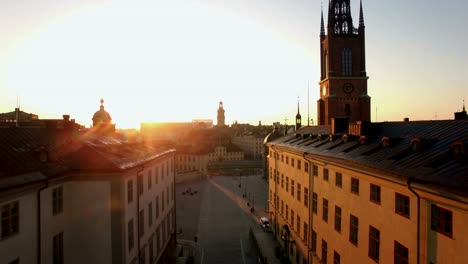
[[361, 16], [298, 116]]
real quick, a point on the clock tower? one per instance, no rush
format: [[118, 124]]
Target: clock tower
[[343, 81]]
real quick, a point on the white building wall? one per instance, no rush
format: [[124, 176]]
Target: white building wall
[[85, 222], [22, 245]]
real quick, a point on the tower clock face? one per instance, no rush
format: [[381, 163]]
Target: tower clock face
[[348, 88]]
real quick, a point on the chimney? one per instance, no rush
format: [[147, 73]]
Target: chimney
[[66, 118], [406, 119]]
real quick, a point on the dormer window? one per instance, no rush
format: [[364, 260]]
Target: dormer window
[[345, 138], [362, 140], [385, 142], [416, 145], [458, 149]]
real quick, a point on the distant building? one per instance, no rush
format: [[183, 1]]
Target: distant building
[[251, 145], [220, 117], [73, 196], [17, 116], [352, 191]]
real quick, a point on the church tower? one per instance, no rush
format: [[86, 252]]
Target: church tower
[[221, 115], [343, 81], [298, 117]]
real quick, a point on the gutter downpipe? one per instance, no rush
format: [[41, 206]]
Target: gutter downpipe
[[138, 211], [311, 191], [39, 221], [276, 189], [418, 219]]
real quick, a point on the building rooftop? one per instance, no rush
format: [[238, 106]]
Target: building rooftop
[[432, 152]]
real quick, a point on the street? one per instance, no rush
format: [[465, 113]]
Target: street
[[216, 213]]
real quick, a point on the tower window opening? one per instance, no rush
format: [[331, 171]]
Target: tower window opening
[[345, 28], [346, 61], [337, 28], [337, 8], [344, 8]]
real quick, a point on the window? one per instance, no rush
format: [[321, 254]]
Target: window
[[374, 243], [287, 160], [336, 258], [355, 185], [298, 224], [346, 57], [325, 210], [299, 192], [314, 202], [314, 170], [306, 234], [314, 241], [375, 193], [282, 205], [292, 188], [292, 162], [151, 252], [292, 218], [324, 251], [282, 158], [141, 223], [157, 207], [58, 248], [150, 179], [353, 229], [287, 184], [150, 213], [10, 219], [441, 220], [339, 179], [325, 174], [130, 191], [306, 167], [140, 184], [400, 254], [338, 219], [298, 164], [130, 235], [287, 213], [306, 197], [402, 204], [57, 200], [282, 180]]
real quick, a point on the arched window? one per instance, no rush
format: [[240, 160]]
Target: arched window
[[343, 8], [345, 28], [337, 28], [346, 62], [337, 8]]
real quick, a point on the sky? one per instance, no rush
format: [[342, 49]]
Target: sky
[[161, 61]]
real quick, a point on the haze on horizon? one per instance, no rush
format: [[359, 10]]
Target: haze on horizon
[[160, 61]]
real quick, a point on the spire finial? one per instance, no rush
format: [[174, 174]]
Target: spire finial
[[464, 104], [361, 16], [298, 105], [322, 26], [102, 103]]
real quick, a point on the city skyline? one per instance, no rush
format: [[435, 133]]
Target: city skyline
[[155, 61]]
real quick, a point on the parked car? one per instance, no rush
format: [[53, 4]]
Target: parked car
[[265, 224]]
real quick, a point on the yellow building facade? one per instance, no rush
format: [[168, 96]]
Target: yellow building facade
[[330, 206]]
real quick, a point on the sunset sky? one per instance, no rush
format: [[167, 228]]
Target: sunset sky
[[175, 60]]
